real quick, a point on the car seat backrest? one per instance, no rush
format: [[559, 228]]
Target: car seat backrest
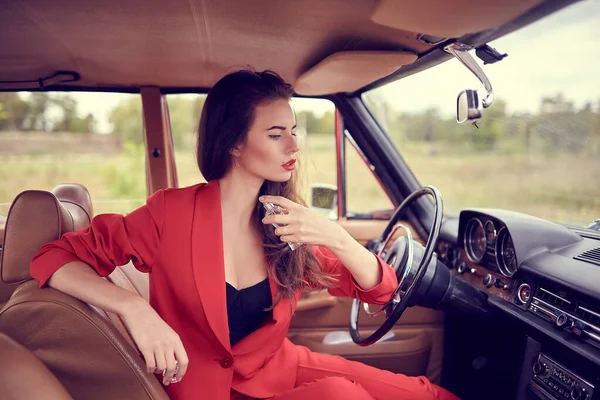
[[87, 349], [35, 218], [24, 376]]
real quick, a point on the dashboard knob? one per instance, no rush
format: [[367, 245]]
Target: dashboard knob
[[539, 368], [488, 280], [578, 393], [524, 293], [462, 267], [562, 320]]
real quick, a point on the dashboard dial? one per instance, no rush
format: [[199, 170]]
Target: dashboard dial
[[490, 232], [475, 240], [505, 253]]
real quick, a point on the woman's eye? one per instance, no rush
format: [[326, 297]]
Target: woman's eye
[[294, 134], [274, 137]]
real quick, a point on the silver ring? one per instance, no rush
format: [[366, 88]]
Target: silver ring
[[174, 372]]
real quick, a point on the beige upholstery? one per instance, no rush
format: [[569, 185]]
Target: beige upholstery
[[24, 377], [348, 71], [193, 43], [448, 18], [85, 348], [37, 217], [79, 345]]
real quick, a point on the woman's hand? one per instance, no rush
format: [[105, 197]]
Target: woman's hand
[[303, 225], [159, 344]]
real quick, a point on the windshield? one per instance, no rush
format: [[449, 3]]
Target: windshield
[[537, 149]]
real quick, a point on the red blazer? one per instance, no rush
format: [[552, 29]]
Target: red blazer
[[176, 237]]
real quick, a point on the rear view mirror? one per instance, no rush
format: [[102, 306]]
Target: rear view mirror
[[468, 107]]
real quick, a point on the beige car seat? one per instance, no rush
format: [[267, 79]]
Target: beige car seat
[[88, 350]]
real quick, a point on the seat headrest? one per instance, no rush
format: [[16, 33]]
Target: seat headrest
[[77, 200], [37, 217]]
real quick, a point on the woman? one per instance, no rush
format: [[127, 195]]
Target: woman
[[224, 283]]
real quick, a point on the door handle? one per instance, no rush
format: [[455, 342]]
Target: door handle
[[315, 301]]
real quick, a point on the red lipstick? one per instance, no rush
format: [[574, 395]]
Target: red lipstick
[[289, 165]]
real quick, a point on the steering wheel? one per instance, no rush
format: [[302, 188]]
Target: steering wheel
[[400, 257]]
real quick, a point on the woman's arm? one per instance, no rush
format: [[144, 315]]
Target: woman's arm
[[75, 264], [111, 240], [157, 341], [362, 274], [79, 280], [362, 264]]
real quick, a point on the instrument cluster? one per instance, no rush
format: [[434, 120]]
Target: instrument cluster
[[488, 242]]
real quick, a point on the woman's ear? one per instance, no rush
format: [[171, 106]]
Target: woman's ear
[[235, 151]]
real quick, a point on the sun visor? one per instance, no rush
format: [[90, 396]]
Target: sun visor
[[348, 71], [448, 18]]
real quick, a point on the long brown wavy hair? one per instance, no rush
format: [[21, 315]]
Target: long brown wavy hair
[[227, 116]]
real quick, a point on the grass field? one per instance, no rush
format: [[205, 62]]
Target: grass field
[[561, 188]]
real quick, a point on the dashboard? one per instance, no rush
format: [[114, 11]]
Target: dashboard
[[543, 274]]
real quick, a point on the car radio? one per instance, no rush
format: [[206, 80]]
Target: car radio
[[553, 381]]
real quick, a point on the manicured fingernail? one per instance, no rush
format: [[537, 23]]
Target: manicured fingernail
[[261, 198]]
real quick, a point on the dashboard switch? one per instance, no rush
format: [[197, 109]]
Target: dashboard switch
[[578, 393], [499, 283], [539, 368], [488, 280]]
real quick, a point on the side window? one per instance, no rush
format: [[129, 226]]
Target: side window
[[317, 157], [184, 115], [364, 193], [94, 139], [316, 139]]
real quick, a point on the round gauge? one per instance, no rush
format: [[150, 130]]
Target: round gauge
[[490, 232], [475, 241], [505, 253]]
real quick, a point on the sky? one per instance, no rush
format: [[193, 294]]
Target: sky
[[559, 53]]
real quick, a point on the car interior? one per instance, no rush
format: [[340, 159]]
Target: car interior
[[492, 303]]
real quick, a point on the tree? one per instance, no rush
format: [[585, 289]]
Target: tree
[[68, 106], [314, 124], [13, 111], [83, 125], [492, 127], [184, 114], [556, 104], [36, 119], [127, 120]]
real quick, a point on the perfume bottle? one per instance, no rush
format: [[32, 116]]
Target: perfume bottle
[[271, 209]]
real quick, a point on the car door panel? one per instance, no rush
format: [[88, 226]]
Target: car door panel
[[417, 343]]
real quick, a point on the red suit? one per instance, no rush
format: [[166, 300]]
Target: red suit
[[177, 238]]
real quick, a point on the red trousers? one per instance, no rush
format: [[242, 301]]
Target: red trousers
[[326, 377]]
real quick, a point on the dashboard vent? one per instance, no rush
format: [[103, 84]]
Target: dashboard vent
[[591, 256], [554, 299], [588, 315]]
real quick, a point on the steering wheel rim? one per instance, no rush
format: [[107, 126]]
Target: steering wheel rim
[[395, 307]]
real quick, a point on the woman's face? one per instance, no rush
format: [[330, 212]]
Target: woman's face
[[269, 151]]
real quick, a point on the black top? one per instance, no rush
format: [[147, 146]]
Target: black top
[[246, 309]]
